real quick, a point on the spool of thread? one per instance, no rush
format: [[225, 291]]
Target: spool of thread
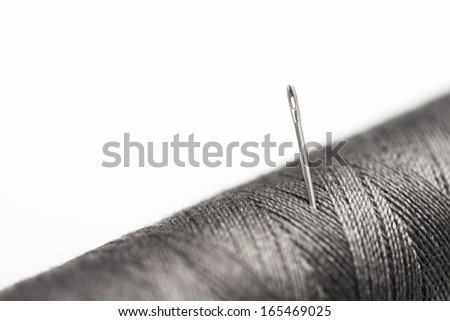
[[381, 231]]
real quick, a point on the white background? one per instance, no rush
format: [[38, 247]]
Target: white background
[[76, 74]]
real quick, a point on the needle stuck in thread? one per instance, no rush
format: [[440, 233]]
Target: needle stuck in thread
[[304, 161]]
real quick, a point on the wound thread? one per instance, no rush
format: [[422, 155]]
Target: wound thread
[[381, 231]]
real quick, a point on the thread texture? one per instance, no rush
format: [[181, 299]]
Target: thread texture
[[381, 232]]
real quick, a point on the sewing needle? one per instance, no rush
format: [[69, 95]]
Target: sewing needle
[[304, 161]]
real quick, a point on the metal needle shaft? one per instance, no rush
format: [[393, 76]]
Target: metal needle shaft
[[304, 161]]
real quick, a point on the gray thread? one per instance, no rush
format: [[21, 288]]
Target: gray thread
[[381, 232]]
